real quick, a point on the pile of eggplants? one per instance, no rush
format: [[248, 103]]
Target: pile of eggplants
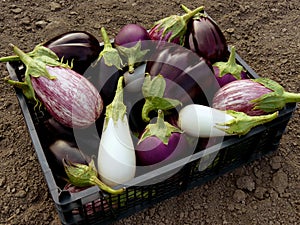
[[193, 65]]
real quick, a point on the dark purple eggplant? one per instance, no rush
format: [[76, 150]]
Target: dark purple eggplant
[[130, 34], [205, 37], [76, 167], [62, 149], [188, 78], [77, 47], [105, 71]]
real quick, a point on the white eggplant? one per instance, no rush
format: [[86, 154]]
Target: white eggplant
[[116, 155], [203, 121]]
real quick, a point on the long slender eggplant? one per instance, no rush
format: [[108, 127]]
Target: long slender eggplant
[[77, 47], [105, 71], [205, 37]]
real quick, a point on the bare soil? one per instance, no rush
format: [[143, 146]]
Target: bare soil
[[266, 34]]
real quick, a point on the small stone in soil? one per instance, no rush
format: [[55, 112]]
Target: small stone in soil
[[239, 196], [246, 183]]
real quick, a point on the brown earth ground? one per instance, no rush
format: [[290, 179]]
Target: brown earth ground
[[266, 34]]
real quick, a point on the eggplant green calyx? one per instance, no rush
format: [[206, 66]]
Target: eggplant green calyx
[[242, 123], [82, 175], [161, 129], [110, 55], [274, 100], [116, 109], [35, 64], [153, 92], [230, 67], [176, 25], [197, 15], [133, 54]]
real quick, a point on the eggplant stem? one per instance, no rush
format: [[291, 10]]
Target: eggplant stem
[[106, 40], [192, 13], [291, 97], [106, 188]]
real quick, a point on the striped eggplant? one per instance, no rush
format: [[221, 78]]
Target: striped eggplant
[[172, 28], [69, 97], [253, 96]]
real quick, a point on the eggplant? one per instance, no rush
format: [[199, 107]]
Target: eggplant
[[226, 72], [72, 165], [69, 97], [160, 141], [105, 71], [188, 77], [172, 28], [77, 47], [253, 96], [205, 38], [205, 122], [133, 43], [130, 34]]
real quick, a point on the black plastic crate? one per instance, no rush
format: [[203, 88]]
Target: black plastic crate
[[90, 206]]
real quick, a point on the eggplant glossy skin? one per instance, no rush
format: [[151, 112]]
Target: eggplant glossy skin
[[62, 149], [205, 38], [79, 47], [152, 151], [189, 78]]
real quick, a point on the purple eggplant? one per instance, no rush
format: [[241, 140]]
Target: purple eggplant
[[77, 47], [204, 37], [253, 96], [188, 78], [71, 164], [130, 34], [133, 43], [172, 28], [105, 71], [160, 141], [226, 72]]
